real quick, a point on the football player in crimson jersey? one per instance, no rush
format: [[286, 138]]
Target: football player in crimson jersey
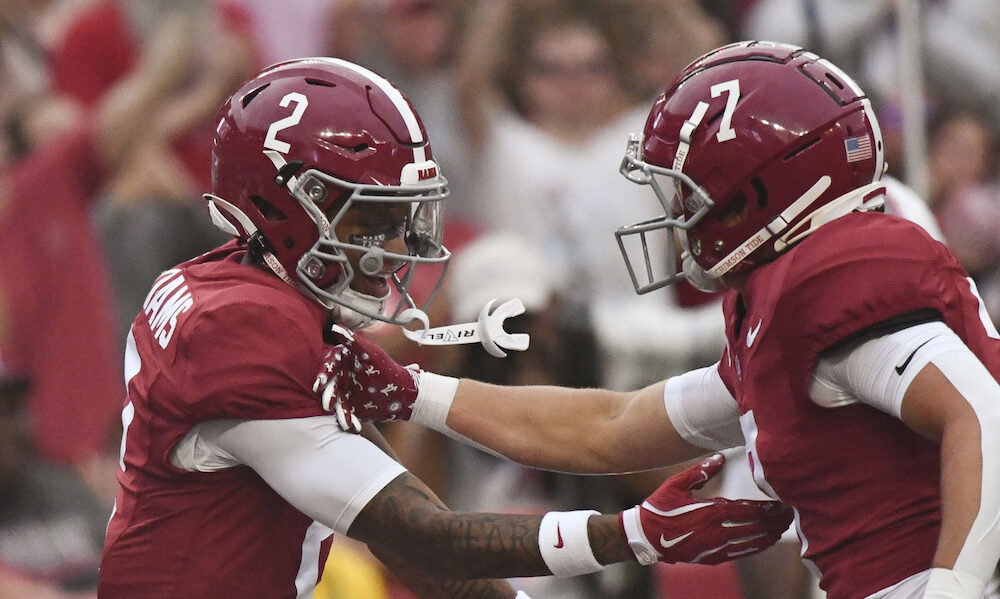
[[233, 476], [860, 370]]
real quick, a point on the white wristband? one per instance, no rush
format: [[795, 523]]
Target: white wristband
[[521, 595], [644, 552], [565, 546], [434, 397], [949, 584]]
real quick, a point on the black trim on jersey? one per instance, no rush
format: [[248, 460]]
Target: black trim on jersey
[[887, 327]]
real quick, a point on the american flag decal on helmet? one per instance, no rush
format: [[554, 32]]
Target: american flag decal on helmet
[[858, 148]]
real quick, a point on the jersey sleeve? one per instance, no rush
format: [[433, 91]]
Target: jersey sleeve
[[702, 410], [248, 361], [885, 268]]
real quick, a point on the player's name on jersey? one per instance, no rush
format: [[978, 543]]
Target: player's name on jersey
[[166, 301]]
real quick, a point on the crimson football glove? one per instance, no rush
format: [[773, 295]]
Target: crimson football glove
[[672, 526], [360, 382]]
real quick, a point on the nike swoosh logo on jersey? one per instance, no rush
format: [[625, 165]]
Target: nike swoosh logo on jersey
[[752, 332], [668, 544], [906, 362], [559, 540]]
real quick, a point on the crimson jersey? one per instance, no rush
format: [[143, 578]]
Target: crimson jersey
[[215, 340], [865, 488]]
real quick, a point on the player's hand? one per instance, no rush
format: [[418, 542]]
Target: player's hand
[[672, 526], [360, 382]]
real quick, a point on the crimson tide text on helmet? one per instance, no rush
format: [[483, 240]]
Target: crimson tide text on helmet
[[300, 144], [751, 148]]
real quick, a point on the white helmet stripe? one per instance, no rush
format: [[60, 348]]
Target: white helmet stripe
[[402, 106], [869, 114], [877, 132]]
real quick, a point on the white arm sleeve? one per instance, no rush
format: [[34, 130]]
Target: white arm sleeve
[[324, 472], [878, 372], [702, 410]]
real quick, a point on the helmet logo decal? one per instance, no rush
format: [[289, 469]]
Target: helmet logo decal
[[416, 172], [858, 148], [274, 147], [726, 132], [271, 141], [732, 89]]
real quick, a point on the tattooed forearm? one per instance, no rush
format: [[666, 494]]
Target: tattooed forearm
[[406, 516], [607, 541], [425, 587], [475, 589]]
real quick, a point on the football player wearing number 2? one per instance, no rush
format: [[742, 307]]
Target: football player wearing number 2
[[233, 475], [860, 370]]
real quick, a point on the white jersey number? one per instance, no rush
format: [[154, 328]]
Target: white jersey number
[[991, 329], [133, 363]]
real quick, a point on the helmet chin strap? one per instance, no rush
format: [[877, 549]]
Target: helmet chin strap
[[857, 199], [354, 319], [370, 264], [865, 197], [699, 277]]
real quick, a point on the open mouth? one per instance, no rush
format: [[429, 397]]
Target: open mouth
[[375, 286]]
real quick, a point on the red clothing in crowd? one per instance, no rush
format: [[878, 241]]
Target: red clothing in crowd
[[97, 49], [56, 289]]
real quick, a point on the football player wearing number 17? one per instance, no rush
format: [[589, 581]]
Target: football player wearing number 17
[[860, 370], [233, 475]]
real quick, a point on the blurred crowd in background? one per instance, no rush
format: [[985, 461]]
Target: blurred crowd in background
[[106, 123]]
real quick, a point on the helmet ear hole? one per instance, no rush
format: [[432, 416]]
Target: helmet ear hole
[[735, 211], [761, 190]]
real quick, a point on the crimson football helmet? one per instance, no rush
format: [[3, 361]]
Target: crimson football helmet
[[752, 147], [301, 144]]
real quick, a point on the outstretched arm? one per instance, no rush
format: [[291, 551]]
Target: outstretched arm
[[669, 526], [428, 587], [420, 583], [345, 482], [570, 430], [590, 431]]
